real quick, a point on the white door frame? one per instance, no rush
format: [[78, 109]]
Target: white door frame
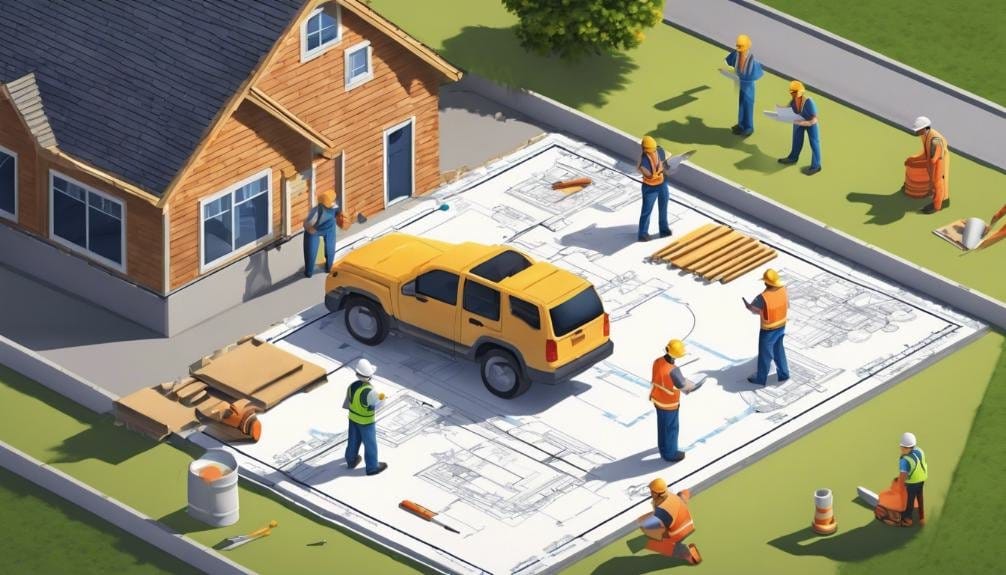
[[412, 146]]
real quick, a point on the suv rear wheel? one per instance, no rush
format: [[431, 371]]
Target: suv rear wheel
[[366, 320], [503, 375]]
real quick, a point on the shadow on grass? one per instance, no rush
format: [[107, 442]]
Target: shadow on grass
[[497, 54], [682, 99], [637, 564], [102, 441], [181, 522], [887, 208], [860, 544], [695, 131]]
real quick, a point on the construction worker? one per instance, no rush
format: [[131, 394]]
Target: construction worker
[[669, 524], [935, 156], [320, 223], [771, 306], [665, 394], [804, 107], [362, 402], [651, 166], [748, 70], [912, 472]]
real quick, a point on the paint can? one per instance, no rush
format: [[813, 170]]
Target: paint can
[[974, 230], [824, 518], [213, 488]]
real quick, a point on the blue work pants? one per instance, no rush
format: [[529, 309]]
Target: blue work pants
[[311, 249], [815, 144], [659, 195], [745, 108], [367, 435], [770, 347], [667, 433]]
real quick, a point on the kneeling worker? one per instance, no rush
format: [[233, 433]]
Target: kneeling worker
[[669, 524]]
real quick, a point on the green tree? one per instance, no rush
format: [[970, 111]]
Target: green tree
[[573, 28]]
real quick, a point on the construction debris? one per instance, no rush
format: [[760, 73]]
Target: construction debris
[[715, 253]]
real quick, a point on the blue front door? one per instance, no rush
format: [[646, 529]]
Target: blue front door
[[399, 168]]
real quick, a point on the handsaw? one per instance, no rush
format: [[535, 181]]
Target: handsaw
[[240, 540]]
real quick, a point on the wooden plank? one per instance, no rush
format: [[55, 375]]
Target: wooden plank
[[692, 234], [727, 259], [700, 251], [737, 263], [735, 250], [714, 251], [696, 243], [759, 262]]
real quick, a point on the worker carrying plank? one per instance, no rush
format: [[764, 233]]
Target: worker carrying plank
[[651, 166], [669, 524], [363, 402], [928, 172], [668, 383], [771, 305]]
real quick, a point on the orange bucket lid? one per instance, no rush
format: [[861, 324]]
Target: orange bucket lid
[[210, 473]]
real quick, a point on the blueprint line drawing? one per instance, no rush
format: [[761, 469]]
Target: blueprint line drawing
[[559, 470]]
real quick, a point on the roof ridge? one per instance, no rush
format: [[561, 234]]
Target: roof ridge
[[27, 99]]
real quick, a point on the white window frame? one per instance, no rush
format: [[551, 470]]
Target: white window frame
[[3, 213], [307, 55], [363, 79], [237, 254], [384, 165], [87, 223]]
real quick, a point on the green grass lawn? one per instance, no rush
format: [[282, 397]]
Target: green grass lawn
[[967, 34], [669, 87], [45, 534], [756, 521]]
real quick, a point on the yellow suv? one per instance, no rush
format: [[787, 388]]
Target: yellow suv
[[524, 321]]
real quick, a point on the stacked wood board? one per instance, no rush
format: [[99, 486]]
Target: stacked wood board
[[248, 371], [715, 253]]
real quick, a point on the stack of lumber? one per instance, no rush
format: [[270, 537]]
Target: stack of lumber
[[715, 253], [167, 408]]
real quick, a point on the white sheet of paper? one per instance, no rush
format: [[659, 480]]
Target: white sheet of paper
[[674, 162], [729, 74], [783, 114]]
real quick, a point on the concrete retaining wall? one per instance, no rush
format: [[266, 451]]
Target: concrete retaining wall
[[737, 198], [62, 381], [117, 513]]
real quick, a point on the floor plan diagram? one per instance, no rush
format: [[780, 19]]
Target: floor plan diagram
[[563, 467]]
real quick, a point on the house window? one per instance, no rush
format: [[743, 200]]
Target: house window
[[236, 218], [8, 184], [358, 65], [319, 32], [87, 221]]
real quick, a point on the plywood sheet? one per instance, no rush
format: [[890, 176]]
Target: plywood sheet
[[276, 392], [248, 368]]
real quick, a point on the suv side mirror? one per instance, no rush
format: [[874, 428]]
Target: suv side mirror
[[409, 288]]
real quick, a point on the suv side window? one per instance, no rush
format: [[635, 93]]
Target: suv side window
[[526, 312], [439, 285], [482, 300]]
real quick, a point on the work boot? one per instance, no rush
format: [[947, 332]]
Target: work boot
[[644, 238], [736, 129], [680, 455], [746, 134], [355, 462], [787, 160], [380, 467], [906, 522], [665, 234], [752, 379], [810, 171], [696, 557], [931, 208]]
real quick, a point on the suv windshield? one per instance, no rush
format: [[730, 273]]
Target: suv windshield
[[501, 266], [576, 311]]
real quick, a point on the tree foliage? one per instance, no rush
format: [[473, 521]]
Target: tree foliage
[[573, 28]]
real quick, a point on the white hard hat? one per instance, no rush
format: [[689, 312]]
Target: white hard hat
[[907, 439], [365, 369], [921, 122]]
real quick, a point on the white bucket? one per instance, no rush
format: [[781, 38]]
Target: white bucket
[[214, 502], [974, 229]]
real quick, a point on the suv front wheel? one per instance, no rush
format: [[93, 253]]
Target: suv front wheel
[[366, 320], [503, 375]]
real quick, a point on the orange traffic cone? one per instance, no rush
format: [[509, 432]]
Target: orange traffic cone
[[824, 518]]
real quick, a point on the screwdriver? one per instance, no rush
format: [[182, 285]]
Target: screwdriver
[[419, 510]]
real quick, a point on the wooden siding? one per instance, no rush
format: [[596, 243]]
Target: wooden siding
[[403, 86], [250, 141], [144, 241]]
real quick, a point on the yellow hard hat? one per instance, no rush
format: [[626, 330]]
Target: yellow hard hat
[[771, 278], [675, 348], [658, 486], [649, 144], [743, 42], [326, 198], [796, 86]]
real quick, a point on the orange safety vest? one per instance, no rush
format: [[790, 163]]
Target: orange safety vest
[[773, 315], [657, 169], [663, 394], [681, 519], [927, 141]]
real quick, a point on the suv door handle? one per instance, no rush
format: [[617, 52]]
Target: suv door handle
[[422, 299], [474, 321]]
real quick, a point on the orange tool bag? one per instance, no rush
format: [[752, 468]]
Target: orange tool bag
[[891, 503], [917, 181]]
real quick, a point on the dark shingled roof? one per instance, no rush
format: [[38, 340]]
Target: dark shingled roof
[[132, 86]]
